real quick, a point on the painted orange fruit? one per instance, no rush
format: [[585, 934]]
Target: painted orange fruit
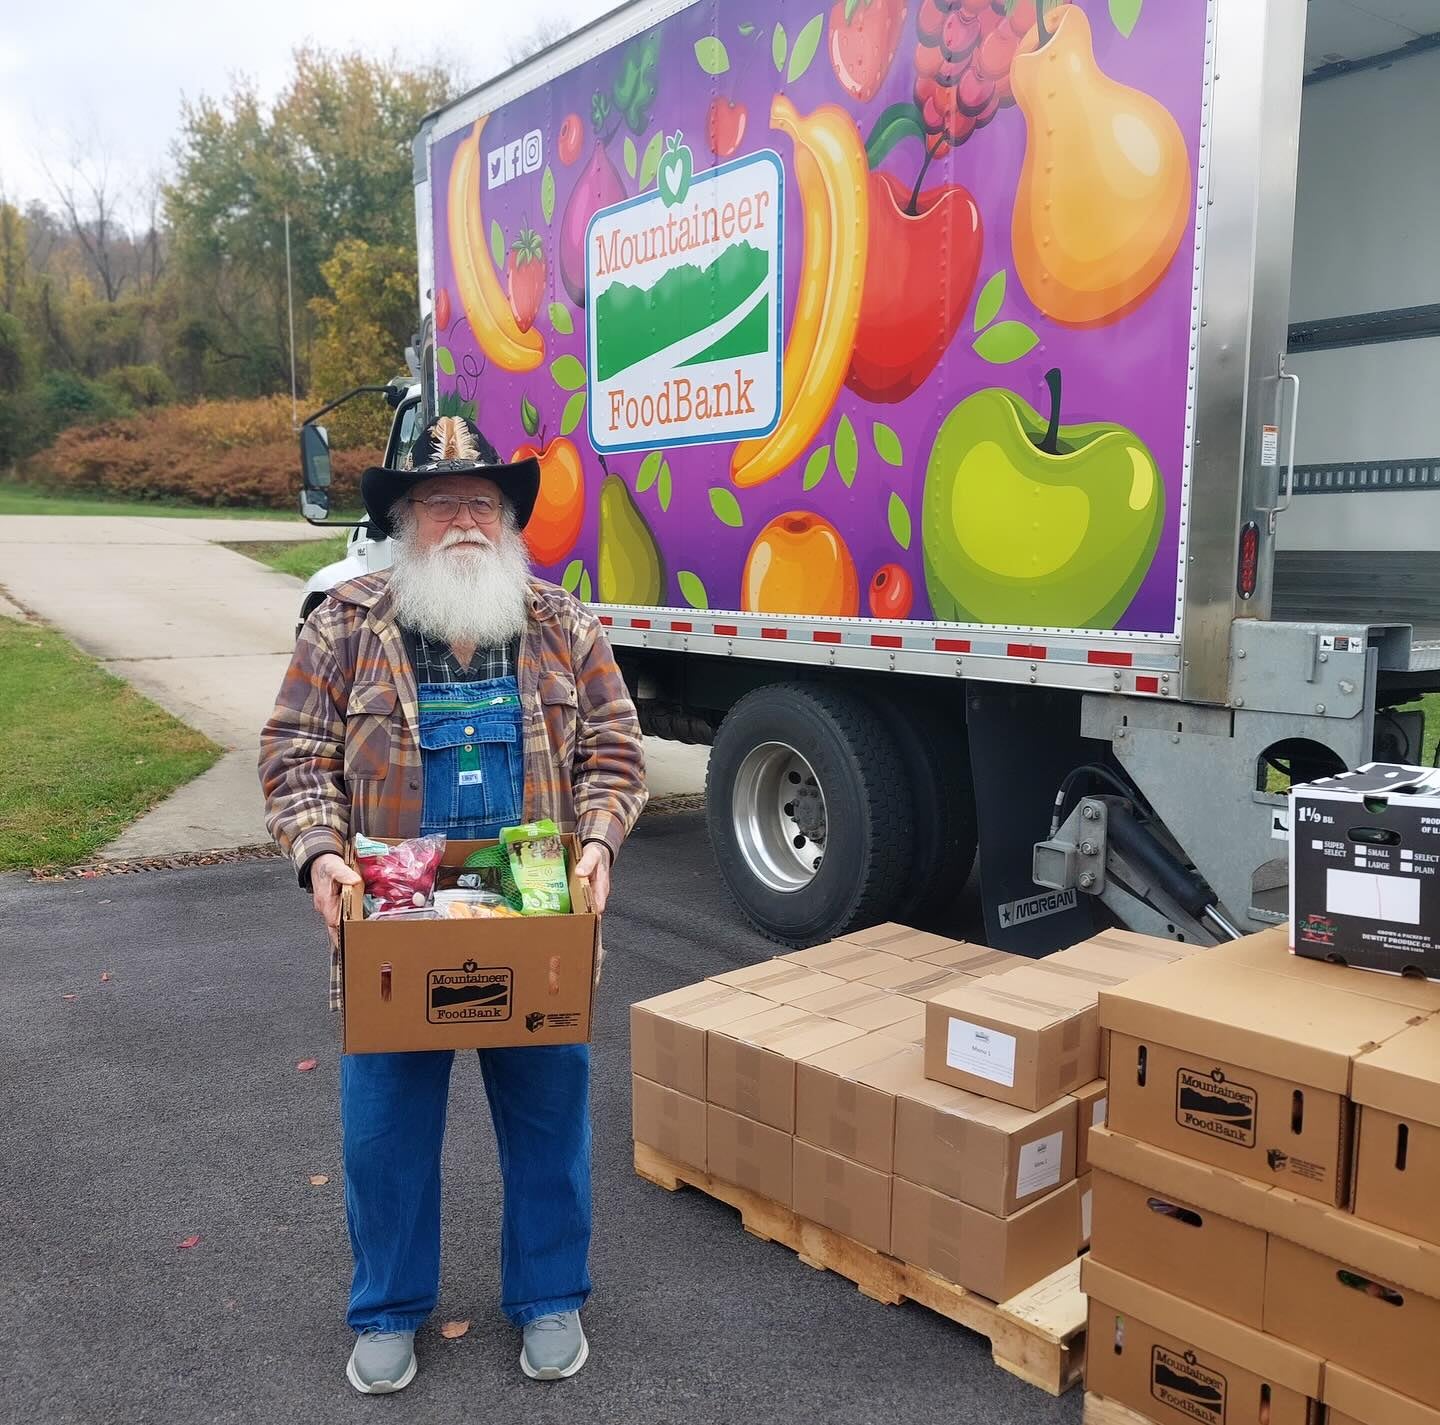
[[560, 507], [799, 564]]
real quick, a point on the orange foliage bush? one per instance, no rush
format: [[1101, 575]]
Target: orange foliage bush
[[210, 453]]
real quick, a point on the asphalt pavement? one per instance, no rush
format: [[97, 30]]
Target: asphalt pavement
[[164, 1102]]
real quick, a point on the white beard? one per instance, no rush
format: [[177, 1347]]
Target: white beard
[[478, 595]]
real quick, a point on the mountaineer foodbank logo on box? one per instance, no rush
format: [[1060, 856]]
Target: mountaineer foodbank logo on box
[[684, 287]]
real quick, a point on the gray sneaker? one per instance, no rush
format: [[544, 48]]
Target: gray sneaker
[[382, 1361], [555, 1347]]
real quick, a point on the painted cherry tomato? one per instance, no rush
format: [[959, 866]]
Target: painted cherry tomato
[[442, 310], [891, 593], [572, 135]]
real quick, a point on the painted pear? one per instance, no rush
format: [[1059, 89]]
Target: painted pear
[[1106, 190], [631, 567]]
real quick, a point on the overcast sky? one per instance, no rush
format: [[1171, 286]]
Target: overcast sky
[[105, 76]]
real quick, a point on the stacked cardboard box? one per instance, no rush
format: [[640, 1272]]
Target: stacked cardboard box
[[1264, 1235], [802, 1079]]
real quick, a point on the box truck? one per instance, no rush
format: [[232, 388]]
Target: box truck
[[917, 388]]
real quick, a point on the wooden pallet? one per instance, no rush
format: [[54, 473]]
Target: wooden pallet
[[1038, 1335], [1099, 1411]]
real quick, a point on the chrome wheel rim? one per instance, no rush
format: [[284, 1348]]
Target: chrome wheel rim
[[779, 817]]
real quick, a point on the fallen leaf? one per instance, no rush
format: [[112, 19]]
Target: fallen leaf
[[319, 1179], [104, 976], [68, 996], [305, 1065], [454, 1330], [190, 1242]]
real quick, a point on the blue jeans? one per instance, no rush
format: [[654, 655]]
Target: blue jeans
[[392, 1109]]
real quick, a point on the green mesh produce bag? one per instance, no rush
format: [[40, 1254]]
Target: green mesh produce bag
[[494, 858]]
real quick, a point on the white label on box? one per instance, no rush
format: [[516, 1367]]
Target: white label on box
[[1377, 897], [1040, 1165], [982, 1051], [1097, 1112], [1269, 445], [1087, 1199]]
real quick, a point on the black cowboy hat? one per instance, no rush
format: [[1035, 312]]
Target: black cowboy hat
[[452, 446]]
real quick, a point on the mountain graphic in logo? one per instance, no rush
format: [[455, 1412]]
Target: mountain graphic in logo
[[1211, 1106], [632, 324]]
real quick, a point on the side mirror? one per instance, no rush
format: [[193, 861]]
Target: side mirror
[[314, 504], [315, 459]]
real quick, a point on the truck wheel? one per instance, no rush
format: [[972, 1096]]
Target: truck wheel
[[809, 811], [936, 753]]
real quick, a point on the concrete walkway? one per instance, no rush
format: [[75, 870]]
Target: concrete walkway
[[204, 632]]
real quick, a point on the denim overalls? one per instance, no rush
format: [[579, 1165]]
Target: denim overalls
[[393, 1106]]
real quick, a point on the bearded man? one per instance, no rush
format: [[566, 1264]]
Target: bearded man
[[455, 693]]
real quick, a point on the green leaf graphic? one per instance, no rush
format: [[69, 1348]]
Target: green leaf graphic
[[574, 409], [1005, 342], [899, 521], [650, 164], [806, 43], [1125, 13], [887, 444], [779, 48], [568, 373], [547, 193], [899, 121], [632, 159], [664, 486], [988, 303], [497, 244], [747, 30], [816, 467], [560, 318], [649, 469], [847, 451], [529, 416], [583, 593], [444, 360], [713, 56], [570, 579], [692, 589], [726, 507]]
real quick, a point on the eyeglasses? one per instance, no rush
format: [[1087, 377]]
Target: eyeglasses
[[443, 509]]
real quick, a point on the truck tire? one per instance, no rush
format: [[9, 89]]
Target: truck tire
[[936, 752], [809, 811]]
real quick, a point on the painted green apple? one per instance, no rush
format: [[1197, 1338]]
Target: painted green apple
[[1032, 523]]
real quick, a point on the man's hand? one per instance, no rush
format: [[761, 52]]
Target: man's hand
[[328, 875], [594, 867]]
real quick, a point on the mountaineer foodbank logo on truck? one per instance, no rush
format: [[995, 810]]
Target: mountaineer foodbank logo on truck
[[684, 287]]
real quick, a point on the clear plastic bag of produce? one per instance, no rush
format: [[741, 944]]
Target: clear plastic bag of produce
[[399, 877], [473, 905]]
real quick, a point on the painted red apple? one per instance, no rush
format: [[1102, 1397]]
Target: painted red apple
[[909, 312], [572, 137], [725, 126]]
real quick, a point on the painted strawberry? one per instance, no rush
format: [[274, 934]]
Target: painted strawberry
[[525, 276], [864, 35]]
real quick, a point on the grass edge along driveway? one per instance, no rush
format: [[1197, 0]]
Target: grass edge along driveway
[[302, 558], [83, 753]]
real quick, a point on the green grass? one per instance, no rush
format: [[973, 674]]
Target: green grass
[[83, 753], [300, 557], [18, 499], [1431, 703]]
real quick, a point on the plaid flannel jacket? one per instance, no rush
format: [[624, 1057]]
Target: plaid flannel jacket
[[340, 754]]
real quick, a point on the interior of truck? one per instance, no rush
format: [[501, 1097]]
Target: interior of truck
[[1361, 539]]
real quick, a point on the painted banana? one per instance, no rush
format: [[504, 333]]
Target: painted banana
[[481, 295], [834, 181]]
